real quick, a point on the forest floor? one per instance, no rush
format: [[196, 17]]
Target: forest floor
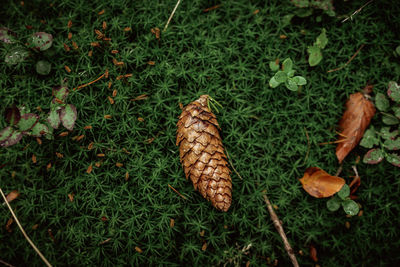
[[78, 217]]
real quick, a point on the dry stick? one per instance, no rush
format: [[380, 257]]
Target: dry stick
[[358, 10], [6, 263], [23, 231], [176, 191], [279, 228], [172, 14], [347, 63]]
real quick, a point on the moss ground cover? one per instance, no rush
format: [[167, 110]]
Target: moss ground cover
[[224, 53]]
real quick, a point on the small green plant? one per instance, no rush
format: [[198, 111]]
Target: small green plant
[[19, 52], [307, 7], [286, 75], [315, 51], [21, 122], [342, 199], [397, 51], [385, 143]]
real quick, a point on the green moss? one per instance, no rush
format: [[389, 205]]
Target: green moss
[[224, 53]]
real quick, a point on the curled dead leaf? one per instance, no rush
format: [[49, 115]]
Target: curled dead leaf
[[320, 184], [356, 118]]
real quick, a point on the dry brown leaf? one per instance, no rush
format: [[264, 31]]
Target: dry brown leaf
[[12, 195], [319, 183], [356, 118]]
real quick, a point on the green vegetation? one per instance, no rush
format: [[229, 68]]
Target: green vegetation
[[271, 134]]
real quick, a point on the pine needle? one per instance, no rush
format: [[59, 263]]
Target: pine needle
[[176, 191]]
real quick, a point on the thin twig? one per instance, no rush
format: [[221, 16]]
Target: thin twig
[[308, 145], [211, 8], [233, 167], [279, 228], [6, 263], [86, 84], [355, 12], [172, 14], [23, 231], [348, 62], [176, 191]]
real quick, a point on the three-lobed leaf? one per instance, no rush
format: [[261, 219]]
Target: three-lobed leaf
[[39, 129], [344, 192], [6, 133], [350, 207], [394, 91], [43, 67], [322, 40], [291, 85], [381, 102], [280, 76], [373, 156], [393, 159], [273, 65], [42, 40], [392, 144], [369, 139], [27, 121], [299, 80], [315, 55], [13, 139], [389, 119], [287, 65], [68, 116], [273, 83], [6, 35], [54, 118], [16, 55], [333, 204]]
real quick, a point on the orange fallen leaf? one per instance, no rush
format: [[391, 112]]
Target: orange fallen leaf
[[12, 195], [319, 183], [356, 118]]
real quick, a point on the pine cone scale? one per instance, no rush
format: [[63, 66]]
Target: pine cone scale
[[202, 154]]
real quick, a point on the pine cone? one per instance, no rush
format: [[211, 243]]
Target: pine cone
[[202, 153]]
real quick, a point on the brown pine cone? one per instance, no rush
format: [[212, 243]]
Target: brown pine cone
[[202, 153]]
